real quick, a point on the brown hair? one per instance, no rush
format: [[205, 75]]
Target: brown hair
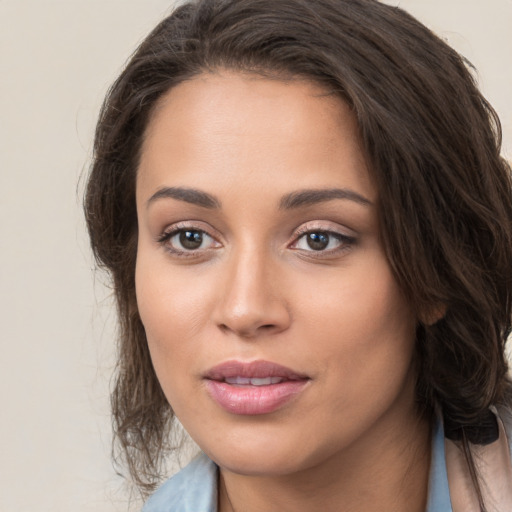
[[433, 147]]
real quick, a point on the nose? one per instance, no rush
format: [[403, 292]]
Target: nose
[[251, 301]]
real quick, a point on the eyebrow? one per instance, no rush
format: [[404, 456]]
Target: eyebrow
[[188, 195], [288, 202], [313, 196]]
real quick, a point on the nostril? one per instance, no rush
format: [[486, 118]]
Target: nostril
[[248, 331]]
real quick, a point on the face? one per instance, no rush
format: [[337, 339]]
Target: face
[[271, 313]]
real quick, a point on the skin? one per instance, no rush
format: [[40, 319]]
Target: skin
[[352, 439]]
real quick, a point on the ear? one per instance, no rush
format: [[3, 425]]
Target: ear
[[433, 314]]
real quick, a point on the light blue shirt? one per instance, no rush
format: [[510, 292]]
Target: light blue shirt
[[438, 490], [194, 488]]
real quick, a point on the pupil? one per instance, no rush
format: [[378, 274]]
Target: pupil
[[318, 241], [191, 239]]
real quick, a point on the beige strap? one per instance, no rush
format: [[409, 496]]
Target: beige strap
[[495, 471]]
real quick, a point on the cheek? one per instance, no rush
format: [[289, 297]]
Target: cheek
[[172, 312], [364, 335], [168, 299], [171, 315]]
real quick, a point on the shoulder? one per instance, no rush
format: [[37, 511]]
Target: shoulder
[[193, 489]]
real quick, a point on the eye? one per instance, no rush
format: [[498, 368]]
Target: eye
[[317, 241], [322, 241], [187, 240]]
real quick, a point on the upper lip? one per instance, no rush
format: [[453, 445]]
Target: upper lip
[[253, 369]]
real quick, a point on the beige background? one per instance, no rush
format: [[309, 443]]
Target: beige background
[[57, 59]]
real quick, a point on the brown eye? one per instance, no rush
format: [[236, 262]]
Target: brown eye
[[317, 241], [187, 240], [191, 240], [323, 242]]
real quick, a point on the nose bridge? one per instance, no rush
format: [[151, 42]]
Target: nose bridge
[[251, 298]]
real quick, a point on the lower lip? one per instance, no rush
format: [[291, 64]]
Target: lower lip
[[252, 400]]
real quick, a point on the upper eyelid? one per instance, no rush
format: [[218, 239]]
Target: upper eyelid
[[325, 226], [191, 225]]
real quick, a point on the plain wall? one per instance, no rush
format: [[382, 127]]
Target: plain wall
[[56, 352]]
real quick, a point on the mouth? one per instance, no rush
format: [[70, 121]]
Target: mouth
[[255, 381], [258, 387]]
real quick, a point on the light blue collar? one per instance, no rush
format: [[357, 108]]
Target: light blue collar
[[438, 490], [193, 489]]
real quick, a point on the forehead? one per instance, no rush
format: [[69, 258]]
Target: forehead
[[226, 124]]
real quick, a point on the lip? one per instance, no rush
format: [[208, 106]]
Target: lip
[[249, 399]]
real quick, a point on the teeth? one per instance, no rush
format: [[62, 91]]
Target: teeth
[[246, 381], [261, 382], [238, 380]]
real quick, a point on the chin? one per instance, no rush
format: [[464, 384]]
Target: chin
[[264, 455], [258, 464]]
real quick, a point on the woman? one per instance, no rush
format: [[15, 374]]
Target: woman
[[309, 230]]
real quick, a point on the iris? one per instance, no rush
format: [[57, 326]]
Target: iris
[[191, 239], [317, 241]]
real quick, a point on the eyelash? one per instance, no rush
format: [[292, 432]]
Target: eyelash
[[165, 238], [345, 241]]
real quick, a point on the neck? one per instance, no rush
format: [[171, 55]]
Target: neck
[[386, 473]]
